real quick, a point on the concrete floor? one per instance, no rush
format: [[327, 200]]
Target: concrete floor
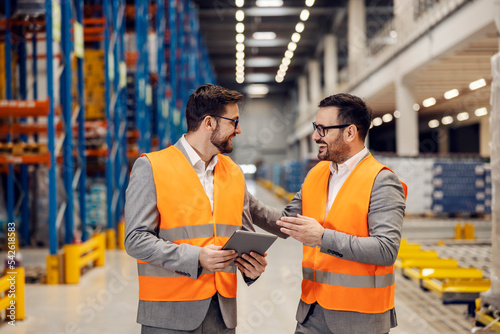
[[105, 301]]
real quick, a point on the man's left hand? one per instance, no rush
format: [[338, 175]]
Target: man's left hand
[[251, 265], [304, 229]]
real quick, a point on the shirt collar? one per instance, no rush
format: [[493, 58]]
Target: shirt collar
[[194, 158], [350, 163]]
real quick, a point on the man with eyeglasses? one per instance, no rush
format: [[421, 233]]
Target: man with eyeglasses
[[348, 215], [183, 203]]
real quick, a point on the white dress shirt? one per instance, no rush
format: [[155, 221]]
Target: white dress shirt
[[337, 179], [206, 175]]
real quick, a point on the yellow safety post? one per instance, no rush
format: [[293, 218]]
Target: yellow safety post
[[110, 239], [469, 232], [459, 232], [53, 263], [12, 286], [121, 235], [79, 255]]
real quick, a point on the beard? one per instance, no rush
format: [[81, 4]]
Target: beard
[[338, 151], [223, 144]]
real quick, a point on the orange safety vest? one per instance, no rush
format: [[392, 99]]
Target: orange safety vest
[[335, 283], [186, 218]]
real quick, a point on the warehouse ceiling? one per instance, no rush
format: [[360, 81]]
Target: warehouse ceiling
[[263, 57]]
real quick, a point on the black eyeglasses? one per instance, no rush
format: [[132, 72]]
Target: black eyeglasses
[[236, 121], [321, 129]]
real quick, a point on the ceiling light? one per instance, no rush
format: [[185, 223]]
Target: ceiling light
[[292, 46], [481, 112], [304, 14], [240, 38], [240, 27], [240, 55], [397, 114], [239, 3], [284, 67], [477, 84], [264, 35], [377, 121], [447, 120], [240, 62], [240, 68], [257, 89], [281, 73], [269, 3], [451, 94], [416, 107], [463, 116], [240, 15], [387, 118], [393, 34], [240, 80], [289, 54], [434, 123], [299, 27], [279, 79], [309, 3], [295, 37], [240, 47], [286, 61], [429, 102]]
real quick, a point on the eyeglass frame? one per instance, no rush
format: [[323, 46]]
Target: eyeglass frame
[[236, 121], [317, 127]]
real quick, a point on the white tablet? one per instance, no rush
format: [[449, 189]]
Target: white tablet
[[246, 242]]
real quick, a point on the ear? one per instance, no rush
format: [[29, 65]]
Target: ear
[[209, 123], [351, 133]]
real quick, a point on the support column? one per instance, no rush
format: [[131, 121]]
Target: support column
[[302, 92], [331, 64], [356, 36], [314, 82], [403, 14], [484, 137], [407, 124], [304, 147]]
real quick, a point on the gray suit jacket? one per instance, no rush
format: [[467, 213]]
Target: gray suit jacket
[[385, 222], [142, 242]]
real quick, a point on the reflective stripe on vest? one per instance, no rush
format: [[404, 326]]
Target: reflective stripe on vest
[[186, 218], [333, 282]]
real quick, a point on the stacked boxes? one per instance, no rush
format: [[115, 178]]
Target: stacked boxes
[[487, 189], [2, 71], [292, 176], [94, 84], [277, 175], [131, 101], [96, 206]]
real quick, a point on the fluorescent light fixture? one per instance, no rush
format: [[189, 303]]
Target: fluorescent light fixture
[[279, 79], [248, 169], [286, 61], [240, 38], [429, 102], [299, 27], [451, 94], [397, 114], [257, 89], [240, 79], [447, 120], [309, 3], [239, 3], [240, 55], [416, 107], [295, 37], [240, 68], [240, 15], [292, 46], [240, 47], [289, 54], [240, 27], [477, 84], [481, 112], [281, 73], [264, 35], [387, 118], [393, 34], [240, 62], [433, 123], [377, 121], [304, 14], [284, 67], [463, 116], [269, 3]]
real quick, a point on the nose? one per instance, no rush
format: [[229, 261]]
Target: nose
[[238, 129], [315, 135]]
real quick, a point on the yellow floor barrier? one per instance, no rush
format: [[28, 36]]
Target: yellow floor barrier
[[12, 289], [121, 235], [79, 255], [418, 274]]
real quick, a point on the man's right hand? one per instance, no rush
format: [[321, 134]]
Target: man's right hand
[[213, 258]]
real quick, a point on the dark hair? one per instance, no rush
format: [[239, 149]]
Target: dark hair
[[352, 110], [208, 100]]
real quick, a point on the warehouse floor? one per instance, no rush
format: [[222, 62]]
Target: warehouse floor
[[106, 299]]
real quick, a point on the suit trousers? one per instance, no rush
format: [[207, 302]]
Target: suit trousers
[[212, 324]]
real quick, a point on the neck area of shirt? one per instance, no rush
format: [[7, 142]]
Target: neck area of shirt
[[349, 164], [194, 158]]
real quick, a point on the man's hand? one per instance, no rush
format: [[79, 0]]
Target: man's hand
[[213, 258], [304, 229], [251, 265]]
